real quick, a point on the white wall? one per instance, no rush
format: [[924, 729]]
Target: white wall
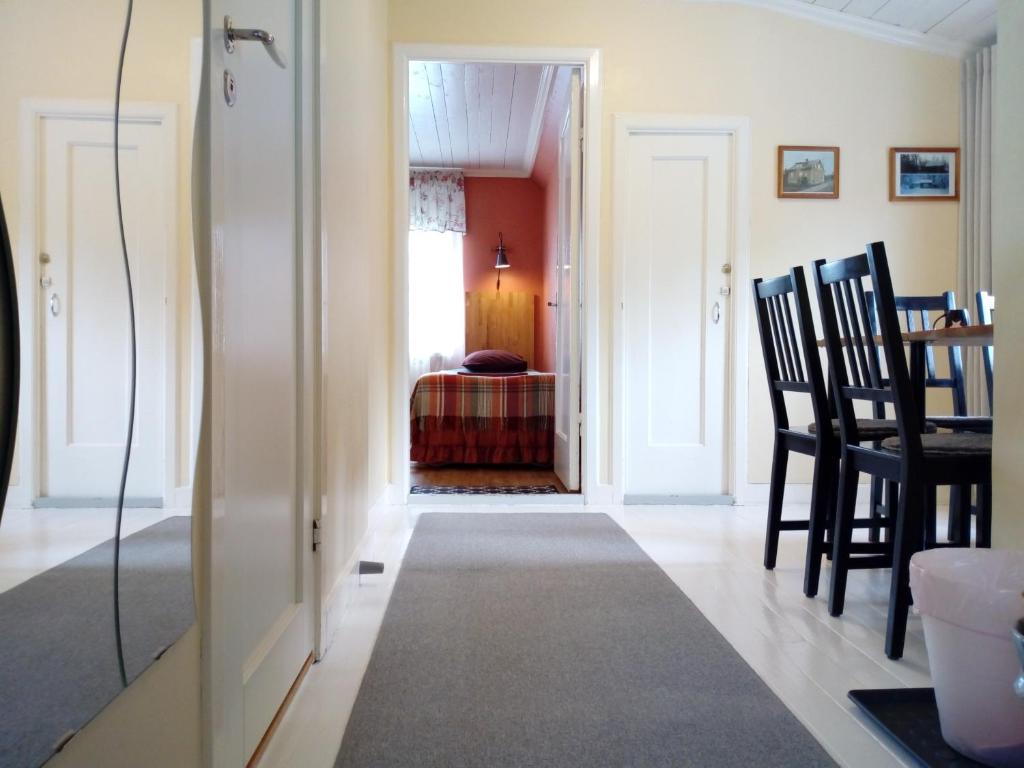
[[800, 83], [356, 275], [1008, 277]]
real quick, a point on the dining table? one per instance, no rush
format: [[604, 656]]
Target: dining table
[[919, 341]]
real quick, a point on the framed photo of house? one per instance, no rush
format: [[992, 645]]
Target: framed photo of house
[[808, 172], [924, 173]]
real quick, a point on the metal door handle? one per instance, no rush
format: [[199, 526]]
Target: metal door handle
[[54, 304], [552, 304], [233, 35], [716, 313]]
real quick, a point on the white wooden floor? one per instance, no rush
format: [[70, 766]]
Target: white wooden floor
[[33, 540], [807, 657]]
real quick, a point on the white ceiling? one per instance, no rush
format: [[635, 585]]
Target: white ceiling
[[953, 27], [483, 118]]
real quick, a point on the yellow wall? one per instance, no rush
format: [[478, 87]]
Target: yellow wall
[[67, 49], [356, 273], [1008, 276], [800, 83]]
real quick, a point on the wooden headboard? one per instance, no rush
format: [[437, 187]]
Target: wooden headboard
[[500, 321]]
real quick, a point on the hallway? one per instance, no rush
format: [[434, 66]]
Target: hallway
[[808, 659]]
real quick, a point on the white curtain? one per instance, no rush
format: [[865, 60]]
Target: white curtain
[[975, 247], [437, 303]]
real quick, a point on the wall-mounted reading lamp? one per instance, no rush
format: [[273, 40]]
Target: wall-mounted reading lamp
[[502, 261]]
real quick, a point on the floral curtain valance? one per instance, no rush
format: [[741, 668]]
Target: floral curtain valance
[[437, 201]]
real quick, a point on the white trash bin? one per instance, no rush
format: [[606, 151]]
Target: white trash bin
[[970, 601]]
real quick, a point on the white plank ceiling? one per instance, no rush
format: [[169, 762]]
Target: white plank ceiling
[[968, 22], [483, 118]]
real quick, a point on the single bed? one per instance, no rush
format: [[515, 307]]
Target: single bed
[[462, 418]]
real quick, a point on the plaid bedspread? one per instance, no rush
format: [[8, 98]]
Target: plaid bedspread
[[469, 419]]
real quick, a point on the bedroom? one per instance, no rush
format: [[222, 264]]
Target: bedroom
[[493, 364]]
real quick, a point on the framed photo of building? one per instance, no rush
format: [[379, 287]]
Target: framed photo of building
[[809, 172], [924, 173]]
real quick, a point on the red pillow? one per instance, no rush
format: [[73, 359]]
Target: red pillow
[[494, 361]]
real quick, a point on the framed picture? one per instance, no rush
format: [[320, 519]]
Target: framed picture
[[809, 172], [924, 173]]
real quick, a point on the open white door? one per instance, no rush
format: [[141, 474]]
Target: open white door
[[261, 609], [568, 295]]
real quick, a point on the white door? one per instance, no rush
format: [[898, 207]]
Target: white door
[[261, 546], [568, 295], [83, 306], [677, 240]]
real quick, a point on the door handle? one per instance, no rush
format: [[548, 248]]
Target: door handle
[[716, 313], [54, 304], [233, 35]]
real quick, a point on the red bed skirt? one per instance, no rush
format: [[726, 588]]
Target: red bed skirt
[[449, 440]]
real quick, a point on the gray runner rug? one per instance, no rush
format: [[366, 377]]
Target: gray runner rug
[[553, 640]]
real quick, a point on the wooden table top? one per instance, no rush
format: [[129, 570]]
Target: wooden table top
[[957, 336]]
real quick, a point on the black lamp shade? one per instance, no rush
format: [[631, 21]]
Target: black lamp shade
[[502, 261]]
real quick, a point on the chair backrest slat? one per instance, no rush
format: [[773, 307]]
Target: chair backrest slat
[[797, 363]]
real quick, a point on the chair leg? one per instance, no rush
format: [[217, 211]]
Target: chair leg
[[984, 533], [930, 518], [876, 502], [892, 500], [956, 507], [962, 533], [908, 539], [780, 462], [842, 536], [823, 495]]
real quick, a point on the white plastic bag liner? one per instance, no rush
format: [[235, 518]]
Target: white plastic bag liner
[[970, 601]]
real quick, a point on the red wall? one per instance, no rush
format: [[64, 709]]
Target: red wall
[[514, 207]]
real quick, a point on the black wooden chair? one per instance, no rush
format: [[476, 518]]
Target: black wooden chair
[[792, 363], [986, 308], [921, 313], [917, 460]]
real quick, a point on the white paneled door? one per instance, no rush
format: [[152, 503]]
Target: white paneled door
[[676, 315], [83, 305], [568, 295], [261, 611]]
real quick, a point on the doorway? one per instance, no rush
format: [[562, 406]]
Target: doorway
[[491, 252]]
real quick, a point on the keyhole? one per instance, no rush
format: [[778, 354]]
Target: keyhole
[[230, 88]]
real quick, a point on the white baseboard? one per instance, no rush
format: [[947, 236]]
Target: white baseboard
[[342, 592], [602, 494]]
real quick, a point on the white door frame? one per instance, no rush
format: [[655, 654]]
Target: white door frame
[[589, 60], [33, 112], [630, 124]]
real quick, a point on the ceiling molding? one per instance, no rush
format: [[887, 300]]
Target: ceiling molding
[[876, 30], [537, 120]]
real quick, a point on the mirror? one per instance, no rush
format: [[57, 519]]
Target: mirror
[[91, 595]]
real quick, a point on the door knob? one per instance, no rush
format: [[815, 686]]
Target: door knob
[[233, 35], [54, 304], [716, 313]]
